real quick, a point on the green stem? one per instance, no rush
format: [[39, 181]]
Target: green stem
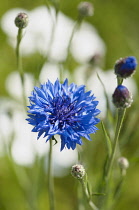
[[85, 191], [50, 179], [19, 60], [68, 59], [52, 37], [76, 25], [118, 188], [119, 80], [121, 114], [104, 201], [19, 64]]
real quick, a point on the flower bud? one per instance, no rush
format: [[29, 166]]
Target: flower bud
[[95, 59], [78, 171], [21, 21], [123, 163], [85, 9], [125, 67], [122, 98]]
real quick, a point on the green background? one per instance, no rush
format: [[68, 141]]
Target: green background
[[117, 23]]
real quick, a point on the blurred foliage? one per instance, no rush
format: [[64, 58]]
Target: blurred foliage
[[117, 23]]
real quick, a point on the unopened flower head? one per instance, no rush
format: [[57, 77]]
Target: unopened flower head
[[66, 110], [125, 67], [95, 59], [21, 21], [122, 98], [85, 9], [78, 171], [123, 163]]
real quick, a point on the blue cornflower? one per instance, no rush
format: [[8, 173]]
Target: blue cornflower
[[63, 109], [125, 67]]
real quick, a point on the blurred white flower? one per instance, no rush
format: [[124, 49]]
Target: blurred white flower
[[14, 86], [25, 146], [49, 71], [86, 42], [38, 34], [6, 126]]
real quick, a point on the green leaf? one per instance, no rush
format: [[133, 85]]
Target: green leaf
[[98, 194], [105, 93], [88, 189], [108, 141]]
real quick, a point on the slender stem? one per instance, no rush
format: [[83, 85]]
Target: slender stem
[[19, 64], [53, 31], [50, 179], [67, 61], [85, 191], [119, 80], [103, 201], [121, 114], [19, 60], [77, 23]]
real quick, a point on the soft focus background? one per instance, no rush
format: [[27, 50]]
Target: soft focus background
[[112, 32]]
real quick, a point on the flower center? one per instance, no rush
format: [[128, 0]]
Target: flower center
[[63, 111]]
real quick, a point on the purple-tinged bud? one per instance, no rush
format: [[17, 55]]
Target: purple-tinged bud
[[122, 98], [125, 67], [21, 21], [78, 171], [85, 9]]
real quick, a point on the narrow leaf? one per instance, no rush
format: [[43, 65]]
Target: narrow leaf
[[98, 194], [105, 93], [108, 141]]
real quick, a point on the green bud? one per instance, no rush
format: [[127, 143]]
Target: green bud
[[85, 9], [123, 164], [78, 171], [21, 21]]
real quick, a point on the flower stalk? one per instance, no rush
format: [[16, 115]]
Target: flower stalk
[[121, 114], [19, 60], [19, 63], [76, 25], [109, 164], [87, 196], [119, 80], [50, 179], [21, 22]]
